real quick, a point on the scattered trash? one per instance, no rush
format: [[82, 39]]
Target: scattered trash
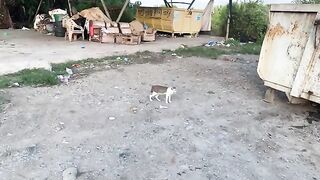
[[216, 43], [134, 109], [69, 71], [49, 34], [163, 107], [83, 47], [179, 57], [70, 174], [64, 79], [183, 46], [25, 29], [211, 43], [76, 65], [15, 84], [59, 127], [211, 92], [112, 118], [173, 54]]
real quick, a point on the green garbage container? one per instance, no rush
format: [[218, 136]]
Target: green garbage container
[[58, 17]]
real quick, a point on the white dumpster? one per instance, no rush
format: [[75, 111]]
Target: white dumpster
[[290, 54]]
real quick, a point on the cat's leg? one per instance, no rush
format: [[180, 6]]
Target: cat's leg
[[170, 99], [157, 97], [152, 95], [167, 99]]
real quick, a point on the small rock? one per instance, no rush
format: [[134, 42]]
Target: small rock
[[211, 92], [70, 173]]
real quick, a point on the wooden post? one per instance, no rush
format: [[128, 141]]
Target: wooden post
[[105, 9], [229, 20], [37, 10], [70, 9], [122, 10]]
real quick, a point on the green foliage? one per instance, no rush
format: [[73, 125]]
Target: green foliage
[[219, 20], [29, 77], [249, 20], [201, 52], [214, 52]]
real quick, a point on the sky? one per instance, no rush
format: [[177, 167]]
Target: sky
[[201, 4]]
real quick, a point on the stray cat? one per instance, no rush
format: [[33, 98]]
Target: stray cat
[[157, 90]]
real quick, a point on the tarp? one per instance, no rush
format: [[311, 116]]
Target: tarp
[[95, 14], [207, 15]]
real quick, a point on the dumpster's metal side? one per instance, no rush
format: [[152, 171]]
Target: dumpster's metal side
[[283, 47], [172, 20], [289, 59]]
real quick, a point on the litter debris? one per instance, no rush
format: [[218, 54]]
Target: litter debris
[[69, 71], [163, 107], [134, 109], [15, 84], [25, 29], [59, 127], [112, 118], [211, 43], [76, 65], [70, 173], [64, 79], [183, 46], [173, 54]]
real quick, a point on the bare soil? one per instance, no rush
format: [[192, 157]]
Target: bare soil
[[217, 126]]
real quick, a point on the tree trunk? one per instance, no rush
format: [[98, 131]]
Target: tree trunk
[[5, 20]]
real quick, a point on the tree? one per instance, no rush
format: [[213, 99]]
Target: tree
[[306, 1]]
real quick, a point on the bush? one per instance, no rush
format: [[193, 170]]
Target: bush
[[249, 21]]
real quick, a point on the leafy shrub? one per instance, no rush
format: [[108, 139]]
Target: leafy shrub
[[249, 21]]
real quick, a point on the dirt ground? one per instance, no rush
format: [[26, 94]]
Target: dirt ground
[[30, 49], [217, 126]]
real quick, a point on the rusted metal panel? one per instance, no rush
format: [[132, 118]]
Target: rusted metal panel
[[290, 55], [283, 46]]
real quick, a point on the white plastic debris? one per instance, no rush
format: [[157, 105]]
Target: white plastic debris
[[112, 118], [25, 29], [64, 79], [163, 107], [69, 71], [15, 84]]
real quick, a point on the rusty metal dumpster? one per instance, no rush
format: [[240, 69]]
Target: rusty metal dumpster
[[290, 55], [172, 20]]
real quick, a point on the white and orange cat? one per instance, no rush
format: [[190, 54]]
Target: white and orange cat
[[157, 90]]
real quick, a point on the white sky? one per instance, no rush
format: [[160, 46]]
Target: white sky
[[201, 4]]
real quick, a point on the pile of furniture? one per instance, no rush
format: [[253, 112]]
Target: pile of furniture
[[121, 33]]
